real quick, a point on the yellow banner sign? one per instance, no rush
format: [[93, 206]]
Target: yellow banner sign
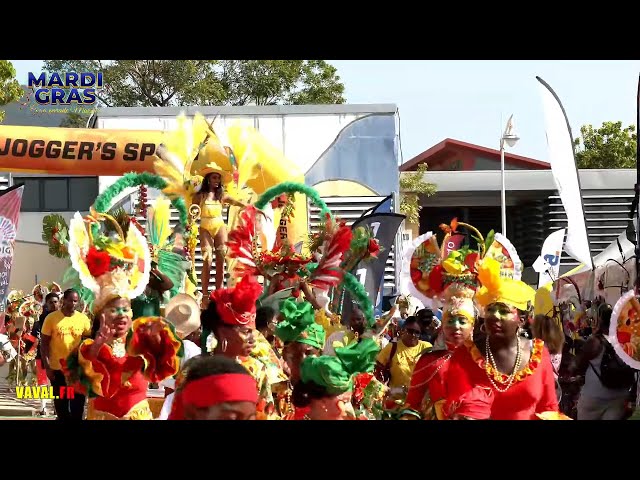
[[77, 151]]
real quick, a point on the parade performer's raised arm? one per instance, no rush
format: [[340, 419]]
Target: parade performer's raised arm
[[116, 367]]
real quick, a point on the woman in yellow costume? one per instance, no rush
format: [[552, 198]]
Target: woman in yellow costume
[[189, 161], [213, 230], [115, 367]]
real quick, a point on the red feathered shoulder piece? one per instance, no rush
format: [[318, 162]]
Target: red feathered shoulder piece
[[336, 243], [237, 306], [241, 243]]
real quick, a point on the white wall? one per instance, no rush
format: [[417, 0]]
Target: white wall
[[31, 261], [30, 225], [302, 138]]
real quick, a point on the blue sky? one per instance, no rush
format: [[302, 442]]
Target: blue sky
[[472, 100]]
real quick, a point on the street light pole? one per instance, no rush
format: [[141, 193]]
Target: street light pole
[[510, 138]]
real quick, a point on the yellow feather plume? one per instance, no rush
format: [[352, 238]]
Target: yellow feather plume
[[489, 274], [158, 216], [183, 145], [543, 304]]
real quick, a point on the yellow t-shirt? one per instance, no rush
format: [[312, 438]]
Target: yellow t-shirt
[[66, 335], [403, 362]]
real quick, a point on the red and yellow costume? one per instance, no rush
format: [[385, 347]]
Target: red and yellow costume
[[533, 390], [427, 391], [116, 376], [452, 280], [529, 391]]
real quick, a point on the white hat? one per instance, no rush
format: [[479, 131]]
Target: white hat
[[183, 313]]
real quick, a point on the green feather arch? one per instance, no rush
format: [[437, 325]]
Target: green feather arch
[[293, 187], [350, 282], [129, 180]]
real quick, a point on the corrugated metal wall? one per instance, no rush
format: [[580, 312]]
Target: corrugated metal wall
[[351, 209], [607, 214]]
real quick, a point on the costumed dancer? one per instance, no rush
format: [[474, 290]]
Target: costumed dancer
[[213, 230], [22, 311], [327, 382], [452, 280], [215, 388], [203, 190], [115, 367], [229, 320], [302, 338], [517, 370], [183, 313]]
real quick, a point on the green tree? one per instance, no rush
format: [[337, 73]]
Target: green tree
[[10, 90], [412, 186], [161, 83], [74, 120], [609, 146]]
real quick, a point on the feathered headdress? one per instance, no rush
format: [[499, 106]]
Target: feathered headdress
[[15, 299], [109, 267], [41, 290], [159, 231], [336, 240], [237, 305], [176, 156], [447, 274]]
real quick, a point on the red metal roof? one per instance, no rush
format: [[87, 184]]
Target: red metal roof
[[448, 147]]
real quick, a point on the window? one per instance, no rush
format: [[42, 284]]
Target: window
[[57, 194]]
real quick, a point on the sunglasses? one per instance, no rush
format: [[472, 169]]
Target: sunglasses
[[411, 331]]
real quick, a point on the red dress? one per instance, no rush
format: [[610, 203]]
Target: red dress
[[428, 387], [532, 392]]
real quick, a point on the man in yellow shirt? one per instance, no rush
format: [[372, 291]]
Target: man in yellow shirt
[[408, 349], [62, 333]]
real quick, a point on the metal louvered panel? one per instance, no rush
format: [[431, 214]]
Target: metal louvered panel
[[350, 209], [607, 214]]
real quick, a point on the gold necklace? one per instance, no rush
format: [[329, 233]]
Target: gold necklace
[[489, 360]]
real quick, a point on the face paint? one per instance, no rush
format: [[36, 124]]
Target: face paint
[[501, 320], [457, 329], [457, 322], [500, 311]]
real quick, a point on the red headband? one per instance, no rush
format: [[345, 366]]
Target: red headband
[[215, 389]]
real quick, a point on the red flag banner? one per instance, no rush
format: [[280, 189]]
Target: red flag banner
[[10, 203]]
